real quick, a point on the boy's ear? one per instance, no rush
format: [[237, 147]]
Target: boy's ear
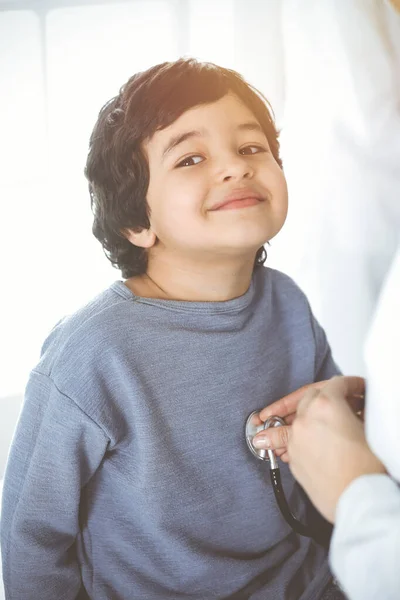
[[144, 238]]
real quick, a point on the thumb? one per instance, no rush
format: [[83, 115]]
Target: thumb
[[274, 438]]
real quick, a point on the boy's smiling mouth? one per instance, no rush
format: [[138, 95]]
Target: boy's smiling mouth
[[239, 198]]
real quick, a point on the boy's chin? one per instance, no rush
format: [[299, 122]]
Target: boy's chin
[[248, 245], [240, 252]]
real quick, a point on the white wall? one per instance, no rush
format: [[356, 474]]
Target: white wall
[[9, 411]]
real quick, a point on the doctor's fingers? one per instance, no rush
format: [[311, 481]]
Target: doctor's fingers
[[286, 407], [346, 386], [307, 400], [348, 390], [275, 438], [283, 455]]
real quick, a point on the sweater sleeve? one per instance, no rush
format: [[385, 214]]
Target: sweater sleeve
[[365, 548], [55, 451], [325, 366]]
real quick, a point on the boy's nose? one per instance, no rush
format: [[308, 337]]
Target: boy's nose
[[238, 173], [236, 168]]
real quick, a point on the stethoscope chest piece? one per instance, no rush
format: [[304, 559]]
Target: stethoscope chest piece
[[253, 426]]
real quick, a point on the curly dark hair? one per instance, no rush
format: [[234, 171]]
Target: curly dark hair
[[116, 167]]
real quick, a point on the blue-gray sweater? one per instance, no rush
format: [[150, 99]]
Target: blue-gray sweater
[[129, 476]]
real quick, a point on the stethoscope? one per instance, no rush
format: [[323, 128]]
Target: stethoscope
[[254, 426]]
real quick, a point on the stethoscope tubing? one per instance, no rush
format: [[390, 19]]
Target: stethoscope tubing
[[276, 480], [287, 514]]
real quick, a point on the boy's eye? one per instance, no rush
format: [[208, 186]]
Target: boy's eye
[[190, 161], [252, 149]]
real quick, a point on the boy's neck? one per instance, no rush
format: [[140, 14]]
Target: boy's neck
[[211, 282]]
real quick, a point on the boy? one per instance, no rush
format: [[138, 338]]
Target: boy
[[129, 475]]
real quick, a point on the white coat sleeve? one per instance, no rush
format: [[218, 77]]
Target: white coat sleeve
[[365, 546]]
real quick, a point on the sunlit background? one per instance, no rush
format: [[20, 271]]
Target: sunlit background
[[331, 72]]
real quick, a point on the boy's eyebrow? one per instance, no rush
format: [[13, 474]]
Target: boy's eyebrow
[[250, 126], [182, 137]]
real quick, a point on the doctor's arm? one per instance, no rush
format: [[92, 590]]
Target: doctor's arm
[[330, 457], [365, 546]]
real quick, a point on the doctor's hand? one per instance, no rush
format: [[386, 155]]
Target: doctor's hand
[[286, 407], [326, 447]]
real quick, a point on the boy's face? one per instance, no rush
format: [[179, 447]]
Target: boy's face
[[211, 154]]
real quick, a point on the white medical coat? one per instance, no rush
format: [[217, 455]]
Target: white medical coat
[[365, 548]]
